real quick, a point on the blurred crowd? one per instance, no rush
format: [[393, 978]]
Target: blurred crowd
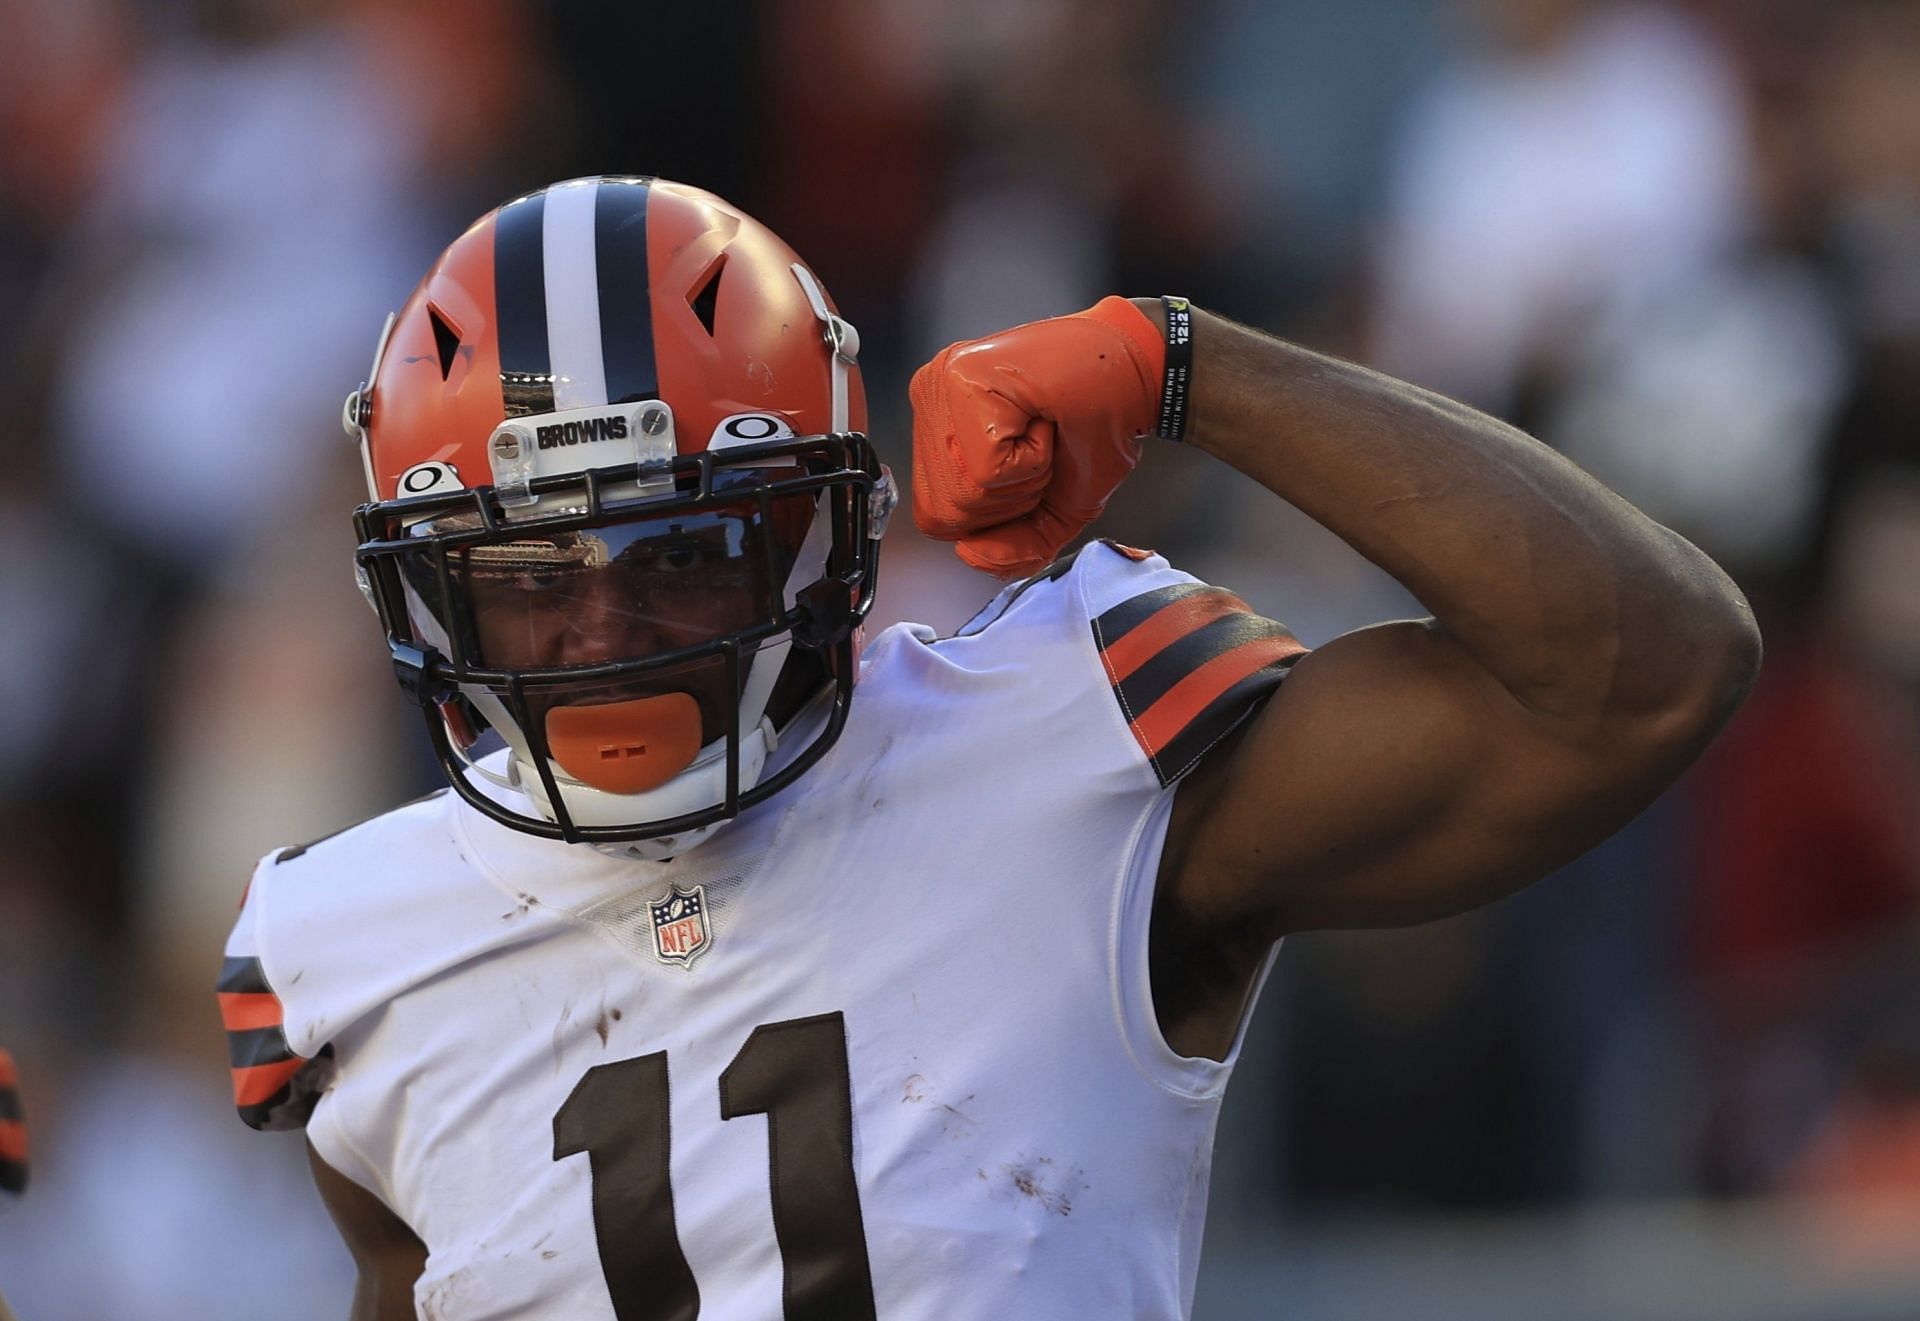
[[1678, 241]]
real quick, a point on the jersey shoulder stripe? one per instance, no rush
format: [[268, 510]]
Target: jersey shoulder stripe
[[13, 1129], [262, 1060], [1187, 663]]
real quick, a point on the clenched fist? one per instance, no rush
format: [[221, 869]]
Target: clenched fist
[[1020, 438]]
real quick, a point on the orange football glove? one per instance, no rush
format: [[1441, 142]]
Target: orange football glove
[[1020, 438]]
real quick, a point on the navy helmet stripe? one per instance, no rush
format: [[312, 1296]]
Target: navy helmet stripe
[[626, 307], [520, 306]]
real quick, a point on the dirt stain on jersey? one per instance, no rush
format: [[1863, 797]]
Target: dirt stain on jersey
[[956, 1123], [869, 776], [560, 1032], [447, 1297], [1045, 1182]]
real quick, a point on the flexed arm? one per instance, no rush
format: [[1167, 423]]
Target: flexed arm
[[1578, 658], [1580, 607]]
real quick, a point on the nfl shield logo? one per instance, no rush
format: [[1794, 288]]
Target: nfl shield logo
[[680, 930]]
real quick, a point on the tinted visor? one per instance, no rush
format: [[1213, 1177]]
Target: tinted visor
[[622, 590]]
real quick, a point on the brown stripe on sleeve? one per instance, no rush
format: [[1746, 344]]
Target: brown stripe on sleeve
[[262, 1060], [242, 975], [1166, 626], [1241, 680], [1187, 663], [266, 1045], [1122, 619]]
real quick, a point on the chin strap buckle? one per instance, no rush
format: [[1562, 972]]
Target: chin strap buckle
[[412, 666], [826, 614]]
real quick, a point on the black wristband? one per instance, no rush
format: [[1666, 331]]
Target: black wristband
[[1179, 369]]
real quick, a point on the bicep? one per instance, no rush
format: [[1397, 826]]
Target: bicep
[[388, 1255], [1392, 780]]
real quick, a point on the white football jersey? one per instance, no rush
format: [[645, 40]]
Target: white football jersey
[[883, 1047]]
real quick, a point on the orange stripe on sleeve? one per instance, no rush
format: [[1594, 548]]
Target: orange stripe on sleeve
[[13, 1141], [1183, 703], [8, 1077], [242, 1010], [1167, 626], [254, 1085]]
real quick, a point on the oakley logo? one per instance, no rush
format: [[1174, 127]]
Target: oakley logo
[[592, 429], [752, 426], [429, 478], [748, 429]]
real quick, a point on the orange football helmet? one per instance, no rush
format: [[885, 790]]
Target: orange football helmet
[[622, 511]]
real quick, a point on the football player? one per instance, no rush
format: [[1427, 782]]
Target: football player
[[713, 991]]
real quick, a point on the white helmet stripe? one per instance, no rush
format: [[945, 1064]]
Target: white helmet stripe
[[573, 295]]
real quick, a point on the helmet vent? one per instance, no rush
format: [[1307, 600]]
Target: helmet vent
[[445, 339], [707, 293]]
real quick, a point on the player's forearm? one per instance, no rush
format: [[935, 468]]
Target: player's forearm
[[1576, 602]]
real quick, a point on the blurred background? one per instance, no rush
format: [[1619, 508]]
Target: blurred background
[[1679, 241]]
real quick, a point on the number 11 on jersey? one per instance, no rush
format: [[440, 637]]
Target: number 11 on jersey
[[793, 1072]]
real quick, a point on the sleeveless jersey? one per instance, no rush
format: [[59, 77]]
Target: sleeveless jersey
[[883, 1047]]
